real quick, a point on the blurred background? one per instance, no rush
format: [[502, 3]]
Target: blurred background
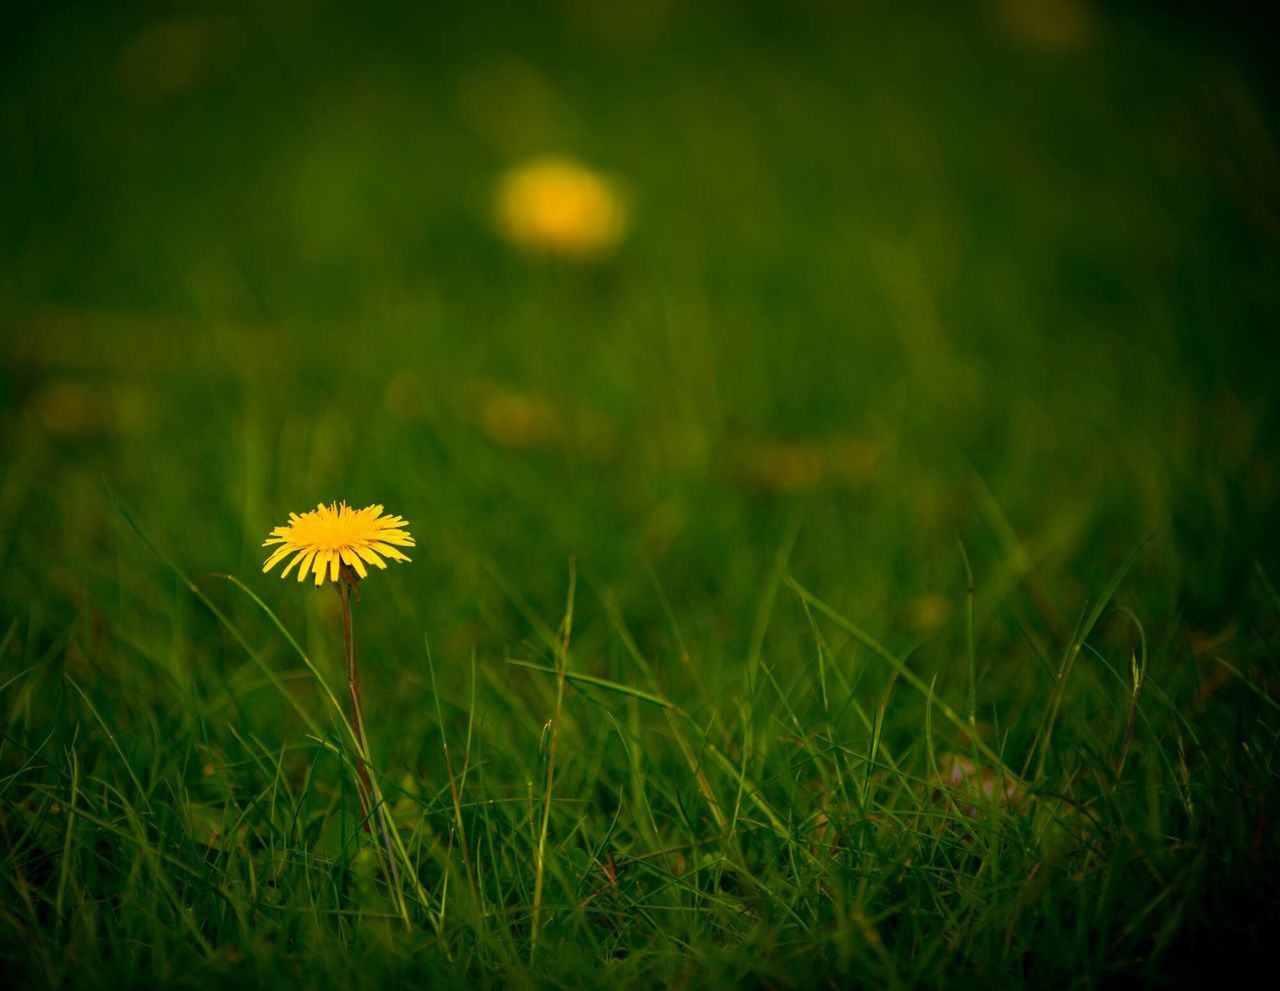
[[688, 292]]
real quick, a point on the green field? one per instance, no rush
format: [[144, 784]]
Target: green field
[[864, 573]]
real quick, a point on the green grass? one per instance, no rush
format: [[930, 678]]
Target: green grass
[[867, 575]]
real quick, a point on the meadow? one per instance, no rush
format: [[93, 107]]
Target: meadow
[[859, 566]]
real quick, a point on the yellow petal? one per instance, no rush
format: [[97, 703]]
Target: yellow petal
[[370, 556], [275, 557], [352, 560], [387, 550], [304, 563]]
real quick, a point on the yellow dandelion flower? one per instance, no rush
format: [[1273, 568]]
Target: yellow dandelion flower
[[557, 206], [329, 537]]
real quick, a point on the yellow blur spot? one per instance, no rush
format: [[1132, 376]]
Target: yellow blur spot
[[928, 611], [70, 408], [1057, 25], [798, 465], [527, 421], [173, 57], [512, 419], [559, 207], [405, 395]]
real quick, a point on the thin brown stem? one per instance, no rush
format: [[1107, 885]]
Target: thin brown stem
[[346, 586], [365, 788]]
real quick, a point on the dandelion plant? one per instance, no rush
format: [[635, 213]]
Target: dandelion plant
[[334, 544]]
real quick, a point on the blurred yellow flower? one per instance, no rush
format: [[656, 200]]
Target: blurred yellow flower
[[328, 537], [798, 465], [928, 611], [560, 207], [70, 407], [1046, 24], [175, 56]]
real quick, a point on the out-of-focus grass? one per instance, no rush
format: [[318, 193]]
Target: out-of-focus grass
[[893, 283]]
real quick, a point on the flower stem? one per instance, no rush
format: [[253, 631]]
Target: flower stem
[[346, 585], [365, 789]]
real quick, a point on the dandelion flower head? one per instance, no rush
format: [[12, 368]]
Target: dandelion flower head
[[328, 537], [560, 207]]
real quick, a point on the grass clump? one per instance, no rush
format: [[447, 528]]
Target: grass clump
[[553, 823]]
